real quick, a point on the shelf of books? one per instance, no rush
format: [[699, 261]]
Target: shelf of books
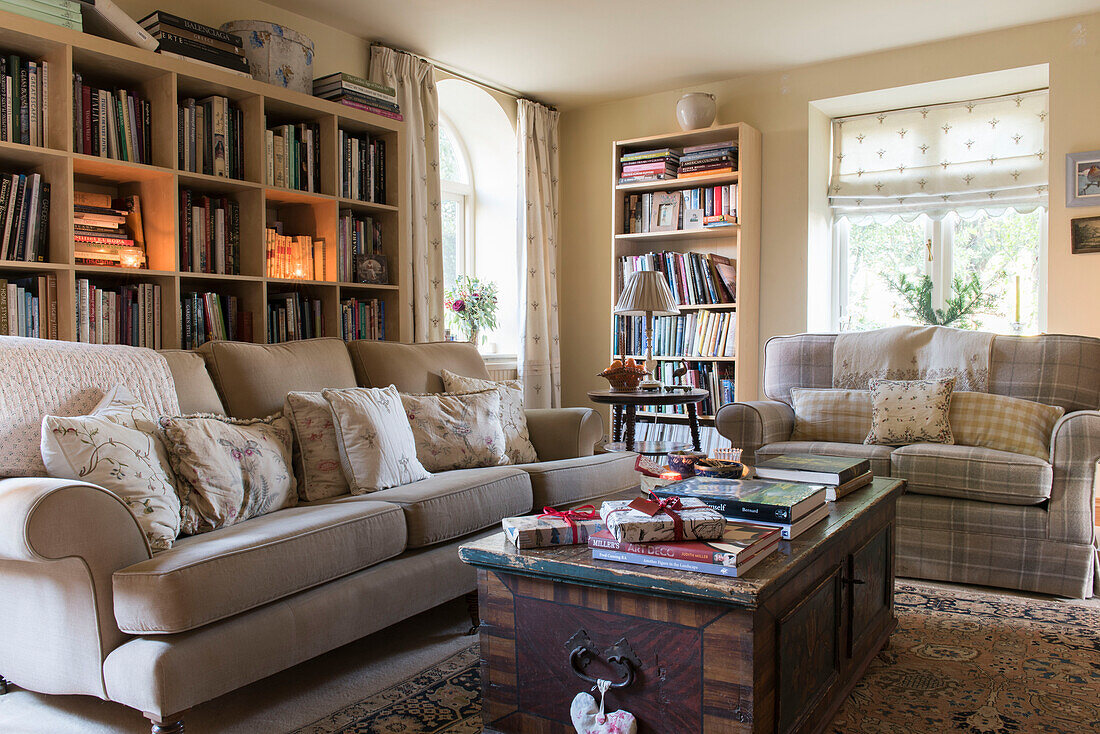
[[151, 199], [688, 205]]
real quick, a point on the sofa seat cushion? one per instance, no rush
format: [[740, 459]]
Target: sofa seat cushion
[[451, 504], [568, 482], [879, 456], [216, 575], [973, 473]]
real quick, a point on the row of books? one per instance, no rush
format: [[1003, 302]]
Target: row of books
[[673, 211], [24, 100], [292, 156], [111, 123], [180, 37], [709, 438], [129, 314], [716, 379], [362, 167], [65, 13], [363, 319], [292, 316], [108, 231], [295, 256], [694, 278], [209, 233], [28, 307], [660, 164], [690, 335], [359, 237], [210, 137], [359, 93], [24, 217], [210, 316], [708, 159]]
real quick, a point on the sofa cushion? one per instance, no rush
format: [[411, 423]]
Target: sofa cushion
[[456, 430], [513, 417], [455, 503], [253, 379], [910, 411], [843, 416], [216, 575], [973, 473], [413, 368], [879, 456], [194, 388], [574, 481], [316, 451], [1003, 423]]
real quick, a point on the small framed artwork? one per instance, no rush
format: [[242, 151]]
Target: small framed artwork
[[693, 219], [1083, 179], [373, 269], [666, 211], [1085, 233]]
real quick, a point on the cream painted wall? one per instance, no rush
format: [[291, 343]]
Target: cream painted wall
[[777, 104]]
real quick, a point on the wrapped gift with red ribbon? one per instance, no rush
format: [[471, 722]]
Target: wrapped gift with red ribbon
[[656, 519], [553, 527]]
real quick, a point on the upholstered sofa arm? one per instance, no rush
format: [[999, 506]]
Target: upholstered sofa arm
[[60, 542], [1074, 453], [751, 425], [564, 433]]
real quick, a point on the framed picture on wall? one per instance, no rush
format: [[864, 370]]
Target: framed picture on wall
[[1085, 234], [1083, 179]]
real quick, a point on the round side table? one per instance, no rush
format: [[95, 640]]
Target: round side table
[[624, 407]]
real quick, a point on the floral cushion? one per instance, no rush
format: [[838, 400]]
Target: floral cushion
[[910, 411], [316, 455], [377, 448], [117, 447], [456, 430], [229, 470], [513, 416]]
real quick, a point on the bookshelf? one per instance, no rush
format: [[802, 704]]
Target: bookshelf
[[739, 243], [165, 83]]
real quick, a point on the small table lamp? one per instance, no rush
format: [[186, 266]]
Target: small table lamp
[[646, 294]]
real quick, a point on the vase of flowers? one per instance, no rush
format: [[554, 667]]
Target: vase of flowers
[[472, 306]]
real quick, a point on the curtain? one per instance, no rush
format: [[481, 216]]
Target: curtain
[[539, 357], [413, 78], [980, 155]]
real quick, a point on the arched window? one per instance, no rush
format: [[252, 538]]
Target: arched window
[[458, 203]]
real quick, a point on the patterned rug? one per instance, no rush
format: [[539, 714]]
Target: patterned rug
[[960, 661]]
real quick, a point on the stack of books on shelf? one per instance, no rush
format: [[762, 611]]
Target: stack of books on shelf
[[291, 316], [354, 91], [24, 100], [678, 211], [295, 256], [694, 278], [65, 13], [359, 238], [362, 319], [709, 159], [292, 156], [129, 314], [649, 165], [362, 167], [182, 38], [111, 123], [209, 234], [840, 474], [709, 438], [210, 316], [28, 307], [210, 137], [108, 231], [24, 217]]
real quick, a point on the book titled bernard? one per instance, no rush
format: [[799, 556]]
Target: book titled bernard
[[750, 499], [742, 546]]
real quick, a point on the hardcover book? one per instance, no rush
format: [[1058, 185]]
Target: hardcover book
[[813, 468], [739, 542], [751, 499], [743, 565]]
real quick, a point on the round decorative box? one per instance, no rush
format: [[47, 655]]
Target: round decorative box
[[695, 110], [276, 54]]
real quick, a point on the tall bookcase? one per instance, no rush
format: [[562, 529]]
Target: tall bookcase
[[164, 82], [740, 243]]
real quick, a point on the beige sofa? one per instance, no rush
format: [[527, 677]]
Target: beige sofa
[[969, 515], [88, 610]]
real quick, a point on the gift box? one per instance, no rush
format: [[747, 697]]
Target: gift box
[[649, 520], [553, 527]]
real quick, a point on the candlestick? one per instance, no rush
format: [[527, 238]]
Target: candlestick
[[1017, 299]]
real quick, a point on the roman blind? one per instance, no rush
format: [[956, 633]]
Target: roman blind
[[979, 155]]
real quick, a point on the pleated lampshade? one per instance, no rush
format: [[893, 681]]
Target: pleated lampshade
[[646, 292]]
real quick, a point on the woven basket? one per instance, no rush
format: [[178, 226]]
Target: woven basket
[[624, 379]]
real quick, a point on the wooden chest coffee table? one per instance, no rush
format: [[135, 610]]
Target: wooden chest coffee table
[[775, 651]]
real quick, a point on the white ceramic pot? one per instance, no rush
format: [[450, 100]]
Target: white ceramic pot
[[696, 110], [276, 54]]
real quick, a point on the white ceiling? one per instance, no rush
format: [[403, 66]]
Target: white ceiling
[[571, 52]]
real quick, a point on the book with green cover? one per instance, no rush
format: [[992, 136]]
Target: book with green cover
[[750, 499], [813, 468]]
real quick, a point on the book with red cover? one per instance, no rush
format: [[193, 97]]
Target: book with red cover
[[739, 542]]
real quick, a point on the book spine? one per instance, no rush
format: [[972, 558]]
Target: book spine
[[371, 108], [213, 43], [679, 564], [24, 105], [167, 19], [654, 549], [185, 47]]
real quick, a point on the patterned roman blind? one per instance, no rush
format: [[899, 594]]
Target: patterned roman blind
[[980, 155]]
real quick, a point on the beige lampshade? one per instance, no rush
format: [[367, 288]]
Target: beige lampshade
[[646, 292]]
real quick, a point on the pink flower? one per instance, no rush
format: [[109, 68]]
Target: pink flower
[[458, 306]]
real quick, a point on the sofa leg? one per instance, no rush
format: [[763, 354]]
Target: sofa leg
[[3, 685], [471, 609], [166, 724]]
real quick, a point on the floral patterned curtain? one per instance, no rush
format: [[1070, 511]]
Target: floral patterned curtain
[[980, 155]]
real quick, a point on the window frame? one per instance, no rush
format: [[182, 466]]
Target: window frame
[[464, 194]]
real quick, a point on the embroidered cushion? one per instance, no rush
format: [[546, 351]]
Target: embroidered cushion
[[841, 416], [377, 448], [1003, 423], [910, 411], [118, 447], [316, 455], [513, 416], [229, 469], [456, 430]]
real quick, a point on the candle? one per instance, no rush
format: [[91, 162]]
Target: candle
[[671, 476], [1017, 299]]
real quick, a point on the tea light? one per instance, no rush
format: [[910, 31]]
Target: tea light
[[131, 257], [671, 476]]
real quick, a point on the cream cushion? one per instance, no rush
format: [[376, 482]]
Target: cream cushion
[[317, 455], [229, 470], [377, 448], [910, 411], [117, 447], [841, 416], [194, 388], [513, 417], [1003, 423], [413, 368], [456, 430]]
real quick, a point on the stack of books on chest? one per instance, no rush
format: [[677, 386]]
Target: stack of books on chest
[[649, 165], [840, 474], [742, 546], [356, 92], [182, 38]]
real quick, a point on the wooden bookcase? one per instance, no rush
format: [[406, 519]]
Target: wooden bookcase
[[164, 82], [740, 243]]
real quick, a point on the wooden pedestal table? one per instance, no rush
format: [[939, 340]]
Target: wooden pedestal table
[[624, 406], [775, 651]]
